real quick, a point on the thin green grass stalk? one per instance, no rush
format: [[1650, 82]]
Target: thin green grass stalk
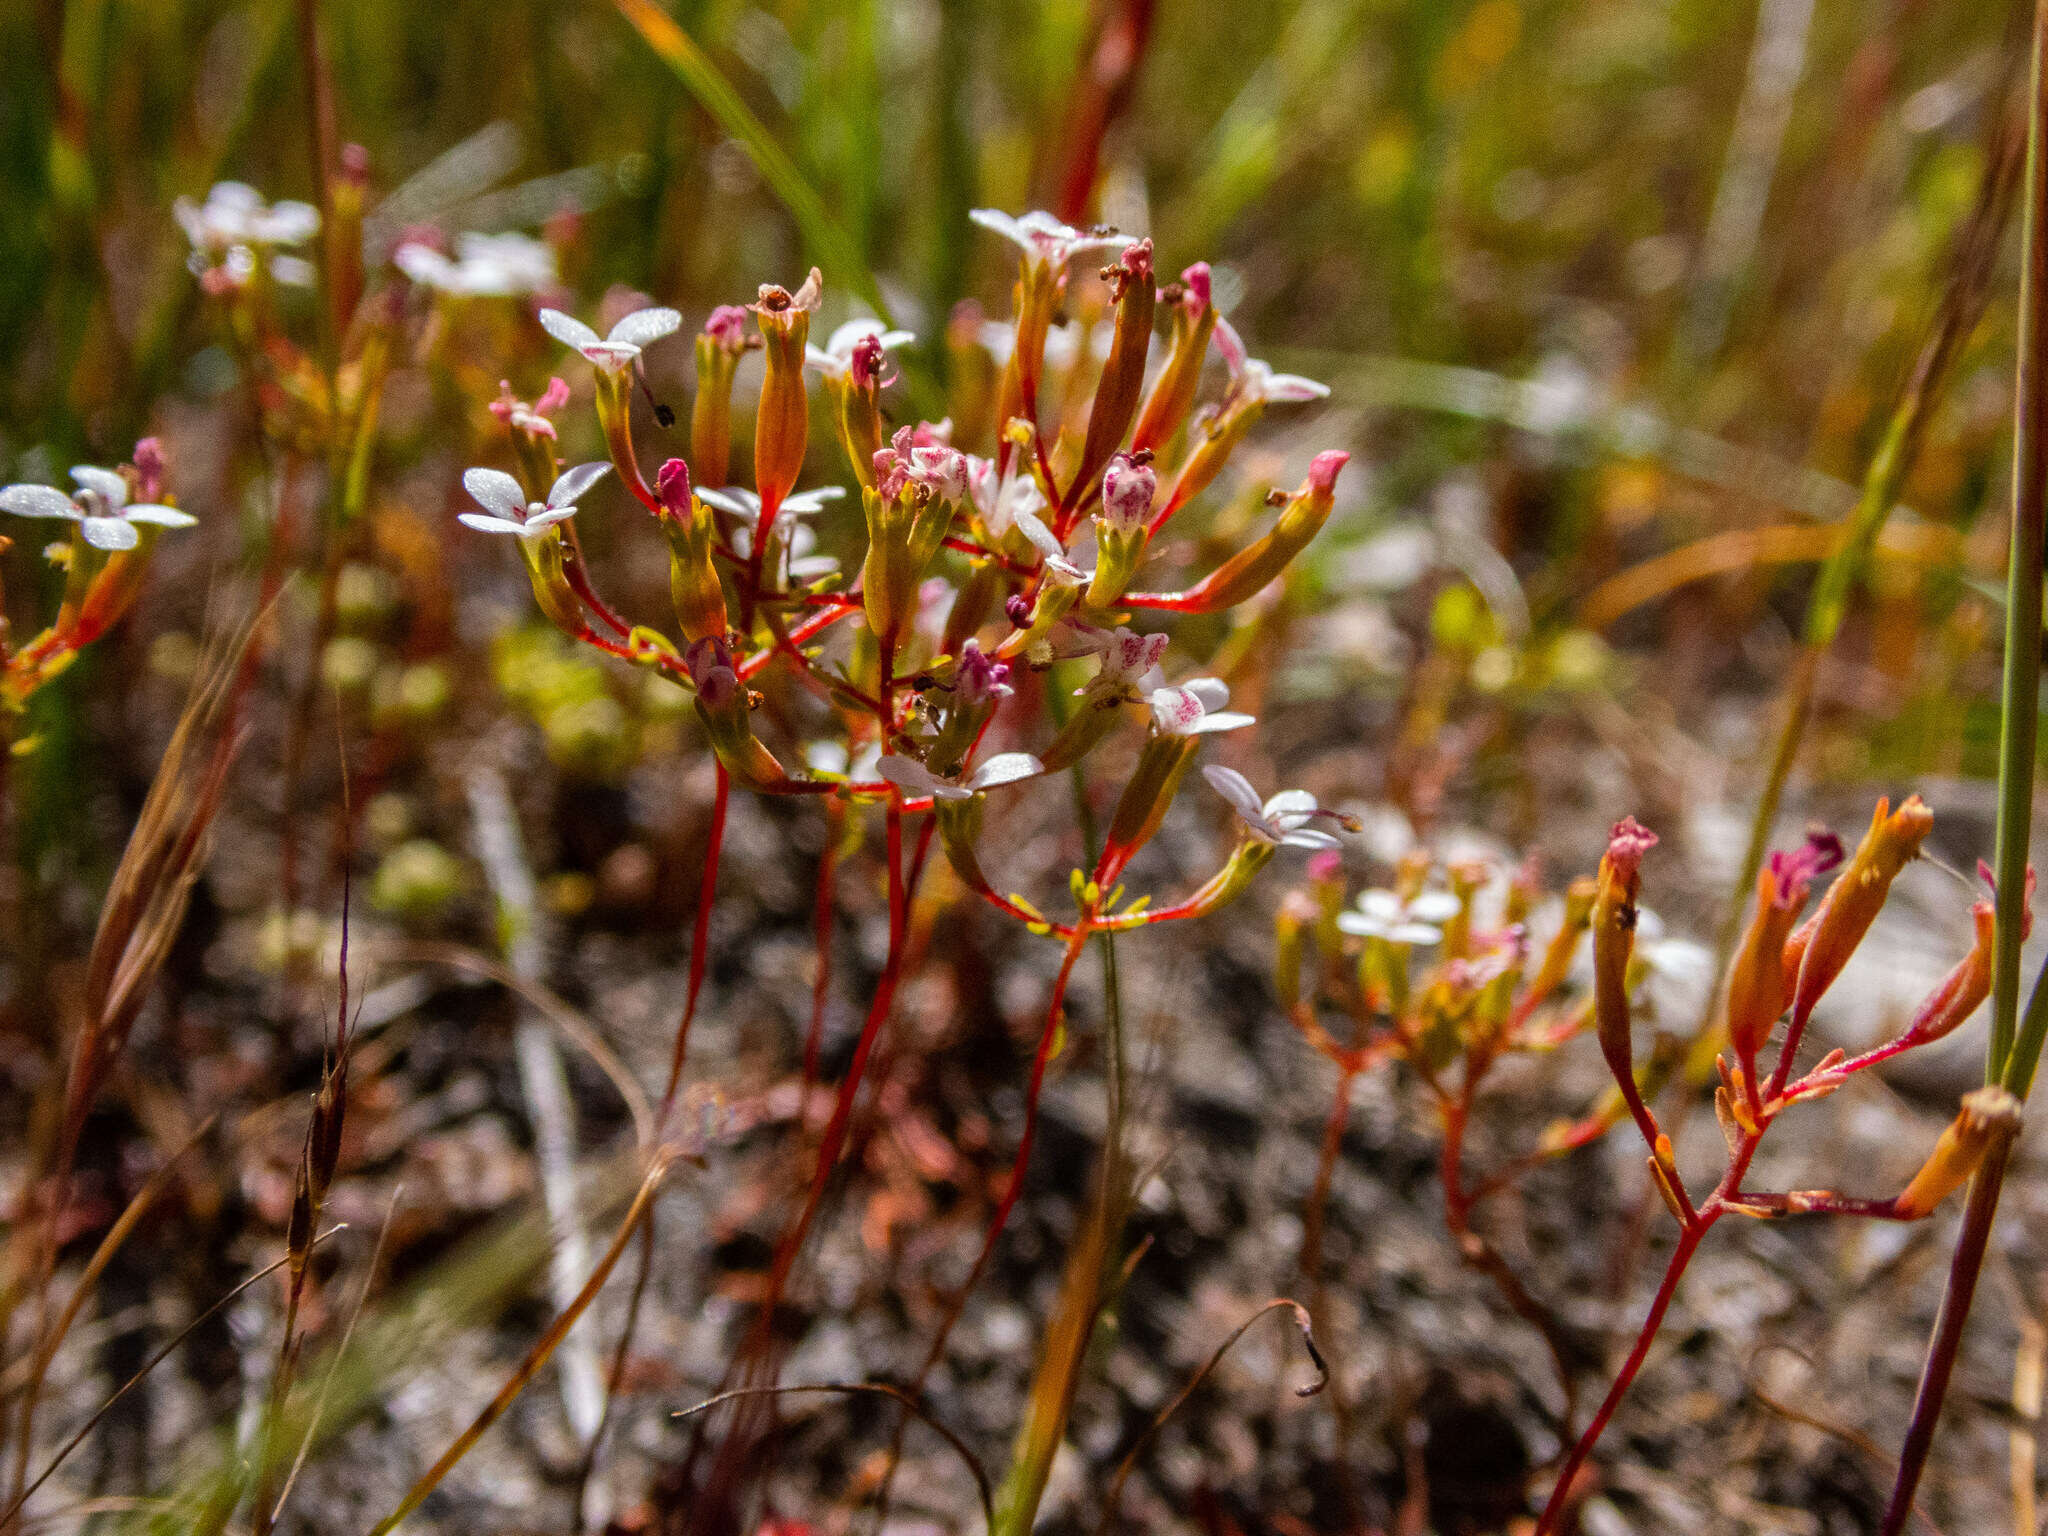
[[1962, 304], [2012, 1054], [835, 250]]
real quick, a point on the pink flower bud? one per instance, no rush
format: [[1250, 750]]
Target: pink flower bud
[[728, 327], [1127, 491], [1322, 474], [1626, 845], [1196, 280], [149, 469], [869, 360], [672, 485], [1795, 871]]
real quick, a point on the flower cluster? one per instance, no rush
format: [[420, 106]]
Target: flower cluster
[[982, 621], [115, 518]]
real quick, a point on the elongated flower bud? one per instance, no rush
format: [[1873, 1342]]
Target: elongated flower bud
[[1987, 1116], [1259, 562], [1756, 978], [1614, 937], [1173, 392], [917, 486], [1147, 795], [719, 346], [1817, 951], [782, 425], [1123, 374], [692, 574]]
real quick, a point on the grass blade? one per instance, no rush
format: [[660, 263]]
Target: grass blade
[[836, 252]]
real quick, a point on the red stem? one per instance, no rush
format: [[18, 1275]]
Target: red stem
[[700, 938]]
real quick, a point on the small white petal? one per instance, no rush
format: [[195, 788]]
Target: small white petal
[[1236, 788], [1212, 691], [614, 355], [109, 532], [739, 503], [804, 503], [568, 330], [1381, 905], [162, 517], [574, 482], [909, 774], [1224, 720], [1041, 537], [644, 327], [1434, 907], [496, 491], [38, 501], [1361, 926], [484, 523], [1291, 802], [105, 482], [1293, 387], [545, 518], [1308, 837], [1005, 768], [1001, 223], [1413, 933]]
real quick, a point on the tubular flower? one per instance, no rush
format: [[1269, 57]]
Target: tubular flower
[[782, 420], [1820, 948], [1244, 573], [1964, 989], [1986, 1116], [1173, 392], [1123, 372], [1757, 992], [978, 683], [719, 346], [1614, 923], [694, 586]]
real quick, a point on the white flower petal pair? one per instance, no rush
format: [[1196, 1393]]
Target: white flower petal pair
[[1195, 708], [836, 356], [1044, 238], [908, 774], [1253, 381], [506, 509], [1283, 821], [101, 510], [737, 501], [628, 339], [1381, 914], [484, 266]]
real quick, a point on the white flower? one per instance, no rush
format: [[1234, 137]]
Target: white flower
[[746, 506], [1282, 821], [1128, 662], [1044, 239], [1058, 568], [1383, 915], [1251, 381], [1002, 500], [908, 774], [101, 510], [235, 214], [836, 356], [628, 339], [1195, 708], [510, 512], [484, 266]]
